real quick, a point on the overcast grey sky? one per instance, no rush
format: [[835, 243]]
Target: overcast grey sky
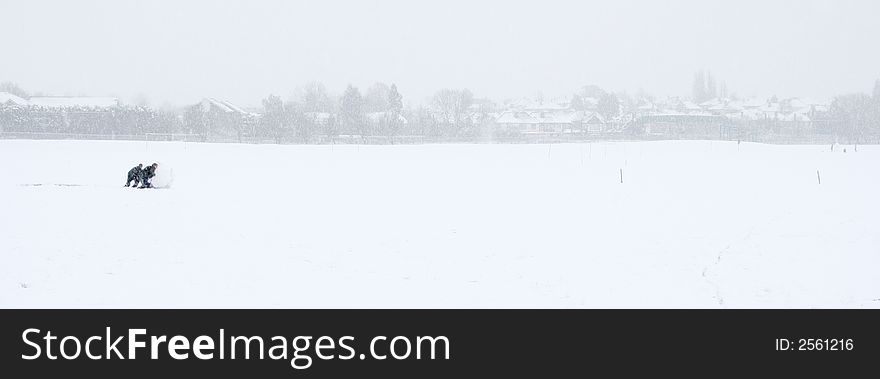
[[181, 51]]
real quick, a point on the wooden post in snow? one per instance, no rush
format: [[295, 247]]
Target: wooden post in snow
[[819, 178], [621, 176]]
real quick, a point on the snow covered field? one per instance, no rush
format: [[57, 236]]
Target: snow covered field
[[694, 224]]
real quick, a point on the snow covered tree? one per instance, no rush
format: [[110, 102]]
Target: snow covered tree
[[877, 90], [592, 91], [195, 122], [711, 87], [628, 103], [422, 122], [376, 98], [591, 97], [273, 121], [451, 107], [698, 89], [853, 116], [577, 103], [352, 111], [395, 100], [395, 110], [14, 89], [875, 119], [609, 106], [314, 97], [705, 87]]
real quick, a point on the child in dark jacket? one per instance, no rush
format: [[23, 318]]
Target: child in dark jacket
[[134, 175], [148, 173]]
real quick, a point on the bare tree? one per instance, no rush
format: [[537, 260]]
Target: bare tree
[[451, 106]]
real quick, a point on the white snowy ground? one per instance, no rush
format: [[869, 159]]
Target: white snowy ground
[[695, 224]]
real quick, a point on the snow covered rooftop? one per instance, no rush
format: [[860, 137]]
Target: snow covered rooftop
[[73, 102], [223, 106], [690, 105], [714, 103], [525, 117], [537, 105], [6, 98]]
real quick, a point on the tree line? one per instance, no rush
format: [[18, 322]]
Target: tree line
[[378, 111], [312, 115]]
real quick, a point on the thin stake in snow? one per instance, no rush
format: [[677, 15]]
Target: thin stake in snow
[[819, 178], [621, 176]]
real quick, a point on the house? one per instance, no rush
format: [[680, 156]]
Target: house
[[7, 98], [593, 122], [211, 104], [546, 121], [219, 118]]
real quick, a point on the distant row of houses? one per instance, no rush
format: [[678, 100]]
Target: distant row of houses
[[792, 109], [671, 116], [732, 117]]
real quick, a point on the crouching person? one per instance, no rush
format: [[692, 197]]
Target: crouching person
[[148, 173], [134, 175]]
